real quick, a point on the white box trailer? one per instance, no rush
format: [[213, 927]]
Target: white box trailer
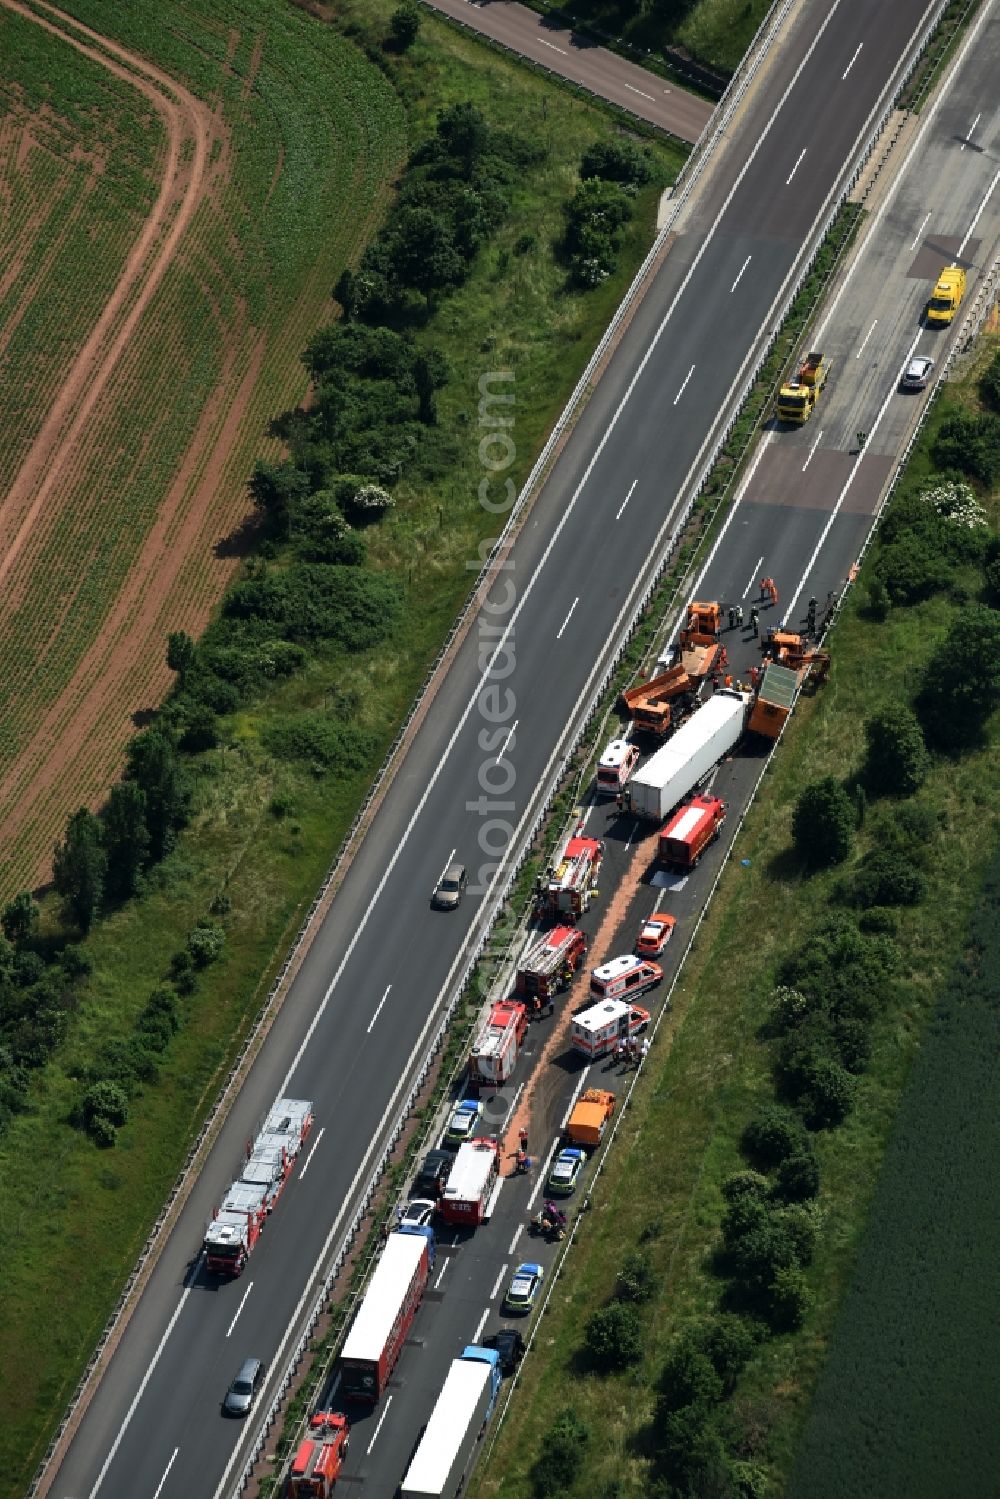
[[688, 756], [463, 1408]]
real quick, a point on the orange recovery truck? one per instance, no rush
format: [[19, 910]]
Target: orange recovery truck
[[589, 1117], [320, 1457], [690, 831], [797, 398], [548, 965]]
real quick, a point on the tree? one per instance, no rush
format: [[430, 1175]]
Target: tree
[[276, 488], [464, 132], [564, 1448], [911, 569], [180, 653], [772, 1135], [205, 943], [20, 918], [962, 680], [79, 867], [729, 1341], [613, 1337], [404, 26], [152, 763], [823, 822], [126, 837], [689, 1377], [897, 761], [104, 1109], [828, 1097], [424, 252]]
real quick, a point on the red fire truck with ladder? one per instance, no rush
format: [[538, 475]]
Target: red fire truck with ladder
[[572, 879], [238, 1222], [320, 1457], [496, 1048], [549, 963]]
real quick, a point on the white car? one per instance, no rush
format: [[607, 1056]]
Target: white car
[[917, 373], [417, 1213], [463, 1122]]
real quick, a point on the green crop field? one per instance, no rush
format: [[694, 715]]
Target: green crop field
[[125, 544], [906, 1403]]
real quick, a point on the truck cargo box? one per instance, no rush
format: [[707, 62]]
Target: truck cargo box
[[675, 770]]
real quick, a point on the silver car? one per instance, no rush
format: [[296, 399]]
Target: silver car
[[450, 888], [245, 1388], [917, 373]]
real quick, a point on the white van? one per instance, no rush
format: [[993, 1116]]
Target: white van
[[624, 978], [598, 1030], [615, 766]]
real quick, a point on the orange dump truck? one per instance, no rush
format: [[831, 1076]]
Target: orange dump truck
[[589, 1118], [655, 707], [775, 698]]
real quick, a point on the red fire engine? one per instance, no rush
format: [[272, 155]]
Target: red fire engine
[[548, 965], [320, 1457], [571, 879], [496, 1048], [237, 1224], [688, 834]]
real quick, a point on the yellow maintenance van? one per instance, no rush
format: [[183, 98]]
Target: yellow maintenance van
[[946, 298], [797, 397]]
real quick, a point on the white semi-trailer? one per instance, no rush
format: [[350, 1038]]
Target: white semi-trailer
[[688, 756], [463, 1408]]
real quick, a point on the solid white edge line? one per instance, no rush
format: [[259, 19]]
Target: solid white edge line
[[140, 1391]]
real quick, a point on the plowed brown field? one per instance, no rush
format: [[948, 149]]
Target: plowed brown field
[[140, 429]]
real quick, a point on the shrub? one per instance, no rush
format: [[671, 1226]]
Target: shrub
[[404, 25], [910, 569], [897, 761], [745, 1186], [595, 216], [20, 918], [788, 1006], [205, 943], [962, 680], [635, 1280], [614, 1337], [788, 1299], [562, 1455], [321, 740], [971, 444], [879, 603], [689, 1378], [729, 1342], [798, 1177], [989, 384], [774, 1134], [823, 822], [618, 160], [104, 1108], [878, 919], [828, 1096], [887, 879]]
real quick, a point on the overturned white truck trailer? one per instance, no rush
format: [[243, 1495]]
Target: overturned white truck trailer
[[687, 757]]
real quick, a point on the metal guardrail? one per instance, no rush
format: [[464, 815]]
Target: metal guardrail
[[592, 693]]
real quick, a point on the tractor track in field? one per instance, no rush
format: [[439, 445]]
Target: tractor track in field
[[74, 747]]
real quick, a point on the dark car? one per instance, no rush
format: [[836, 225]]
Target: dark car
[[433, 1174], [510, 1345], [245, 1388]]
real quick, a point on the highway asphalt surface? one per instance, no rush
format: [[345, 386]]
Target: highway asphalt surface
[[360, 1007], [557, 47]]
